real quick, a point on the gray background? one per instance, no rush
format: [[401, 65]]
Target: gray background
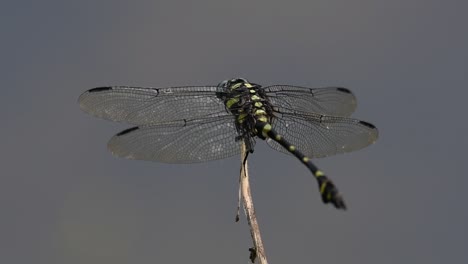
[[65, 199]]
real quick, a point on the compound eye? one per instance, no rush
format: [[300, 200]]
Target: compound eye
[[239, 80], [231, 82]]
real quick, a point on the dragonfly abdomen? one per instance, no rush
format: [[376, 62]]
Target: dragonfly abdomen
[[327, 189]]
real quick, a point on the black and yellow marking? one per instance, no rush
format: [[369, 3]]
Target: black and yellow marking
[[259, 112], [235, 86], [327, 189], [253, 113], [232, 101], [241, 117], [318, 173], [255, 97]]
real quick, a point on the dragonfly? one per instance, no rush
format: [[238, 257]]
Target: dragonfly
[[191, 124]]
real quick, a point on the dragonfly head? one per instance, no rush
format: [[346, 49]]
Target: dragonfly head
[[233, 83]]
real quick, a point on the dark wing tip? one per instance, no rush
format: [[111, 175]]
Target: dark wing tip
[[83, 97], [126, 131], [364, 123], [100, 89], [344, 90]]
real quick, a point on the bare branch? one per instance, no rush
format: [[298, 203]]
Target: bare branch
[[258, 251]]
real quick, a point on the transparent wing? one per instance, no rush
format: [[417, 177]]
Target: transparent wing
[[179, 141], [319, 136], [335, 101], [137, 105]]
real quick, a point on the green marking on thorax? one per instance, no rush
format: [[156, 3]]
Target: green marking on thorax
[[232, 101], [235, 86], [259, 110], [241, 117]]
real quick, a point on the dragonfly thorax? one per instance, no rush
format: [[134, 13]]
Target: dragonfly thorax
[[248, 103]]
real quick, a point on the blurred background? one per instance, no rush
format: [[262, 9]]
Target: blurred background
[[65, 199]]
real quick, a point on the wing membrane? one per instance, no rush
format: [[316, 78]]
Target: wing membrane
[[179, 142], [319, 136], [138, 105], [335, 101]]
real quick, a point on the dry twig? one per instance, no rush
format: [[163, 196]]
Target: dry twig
[[258, 251]]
